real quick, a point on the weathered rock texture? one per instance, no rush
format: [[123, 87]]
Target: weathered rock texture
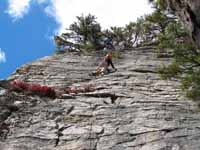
[[189, 13], [133, 109]]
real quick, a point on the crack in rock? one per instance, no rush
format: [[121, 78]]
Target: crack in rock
[[144, 71]]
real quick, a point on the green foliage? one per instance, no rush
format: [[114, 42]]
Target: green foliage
[[130, 32], [171, 33], [173, 36], [172, 70], [88, 46], [116, 55], [118, 33], [88, 28], [86, 33], [186, 58], [191, 84], [159, 4], [140, 32], [157, 17]]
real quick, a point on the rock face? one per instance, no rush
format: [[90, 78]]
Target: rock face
[[189, 13], [132, 109]]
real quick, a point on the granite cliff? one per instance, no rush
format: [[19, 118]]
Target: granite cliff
[[131, 109]]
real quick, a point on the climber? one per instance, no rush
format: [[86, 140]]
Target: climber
[[108, 43], [103, 67]]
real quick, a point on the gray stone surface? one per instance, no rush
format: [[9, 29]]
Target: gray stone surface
[[133, 109]]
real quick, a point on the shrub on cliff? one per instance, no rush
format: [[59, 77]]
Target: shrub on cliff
[[84, 33], [185, 63]]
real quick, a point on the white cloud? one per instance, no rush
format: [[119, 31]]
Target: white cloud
[[2, 56], [18, 8], [108, 12]]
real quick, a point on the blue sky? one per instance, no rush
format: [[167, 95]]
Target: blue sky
[[27, 26], [24, 40]]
